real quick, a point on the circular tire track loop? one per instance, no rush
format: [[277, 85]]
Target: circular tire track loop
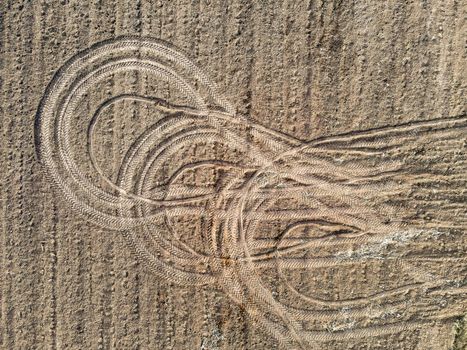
[[232, 211]]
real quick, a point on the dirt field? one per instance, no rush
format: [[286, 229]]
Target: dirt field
[[233, 175]]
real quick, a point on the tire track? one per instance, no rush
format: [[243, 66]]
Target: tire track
[[339, 191]]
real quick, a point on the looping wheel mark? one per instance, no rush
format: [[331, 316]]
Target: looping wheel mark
[[330, 194]]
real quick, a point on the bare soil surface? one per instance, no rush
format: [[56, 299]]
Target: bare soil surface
[[233, 175]]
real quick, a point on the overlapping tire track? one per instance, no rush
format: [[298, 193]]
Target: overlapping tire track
[[268, 165]]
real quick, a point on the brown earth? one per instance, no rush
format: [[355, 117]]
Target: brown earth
[[314, 199]]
